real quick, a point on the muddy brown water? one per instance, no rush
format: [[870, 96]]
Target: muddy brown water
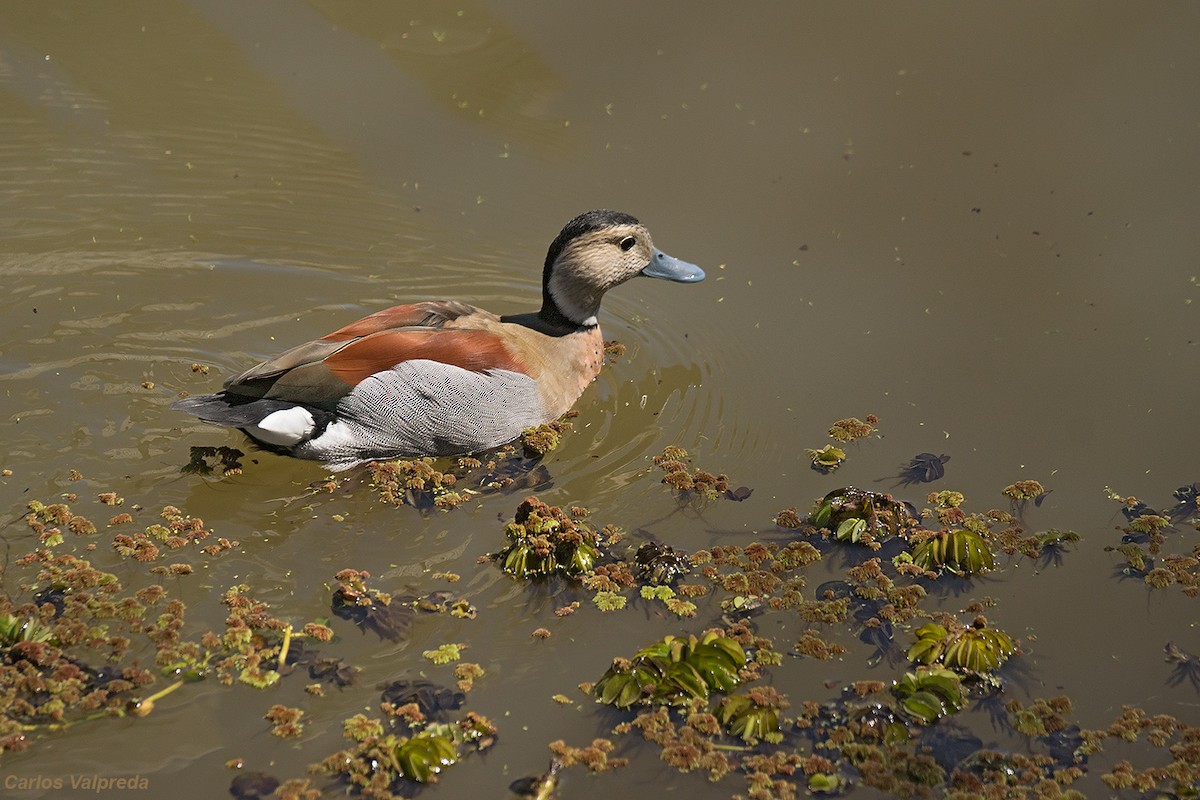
[[977, 222]]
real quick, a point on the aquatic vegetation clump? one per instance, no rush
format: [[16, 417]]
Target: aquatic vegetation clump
[[789, 518], [1041, 718], [14, 630], [960, 551], [660, 564], [391, 756], [543, 540], [1024, 490], [928, 694], [852, 428], [594, 756], [539, 440], [1144, 538], [753, 716], [827, 459], [976, 648], [285, 722], [695, 484], [858, 516], [1178, 740], [65, 650], [416, 482], [673, 671]]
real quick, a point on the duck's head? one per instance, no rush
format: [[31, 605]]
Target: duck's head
[[595, 252]]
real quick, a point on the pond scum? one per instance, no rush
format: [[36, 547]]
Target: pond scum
[[703, 697]]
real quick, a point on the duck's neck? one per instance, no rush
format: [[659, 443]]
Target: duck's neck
[[554, 317], [548, 324]]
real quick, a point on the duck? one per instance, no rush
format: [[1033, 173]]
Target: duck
[[442, 377]]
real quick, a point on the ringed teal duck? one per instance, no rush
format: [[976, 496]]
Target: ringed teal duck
[[441, 377]]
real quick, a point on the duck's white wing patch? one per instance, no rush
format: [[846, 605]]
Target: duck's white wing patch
[[423, 407], [284, 428]]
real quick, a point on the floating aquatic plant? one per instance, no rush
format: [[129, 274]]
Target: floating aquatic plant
[[928, 694], [422, 756], [959, 551], [543, 540], [753, 716], [1021, 492], [695, 483], [827, 459], [660, 564], [23, 629], [1053, 544], [1144, 539], [543, 786], [1024, 490], [416, 482], [977, 648], [851, 428], [1187, 666], [539, 440], [858, 516], [673, 671], [384, 760]]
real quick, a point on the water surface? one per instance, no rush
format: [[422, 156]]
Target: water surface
[[976, 222]]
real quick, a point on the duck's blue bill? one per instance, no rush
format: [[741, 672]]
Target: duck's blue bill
[[672, 269]]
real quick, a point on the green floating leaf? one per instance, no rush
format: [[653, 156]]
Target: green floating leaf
[[18, 629], [927, 695], [959, 551], [823, 783], [609, 601], [544, 540], [422, 756], [673, 671], [974, 649], [859, 516], [746, 719]]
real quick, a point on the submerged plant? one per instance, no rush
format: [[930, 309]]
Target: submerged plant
[[673, 671]]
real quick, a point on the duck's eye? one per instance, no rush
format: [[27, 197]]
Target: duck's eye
[[627, 243]]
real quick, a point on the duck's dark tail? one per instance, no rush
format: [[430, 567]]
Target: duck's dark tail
[[230, 410]]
